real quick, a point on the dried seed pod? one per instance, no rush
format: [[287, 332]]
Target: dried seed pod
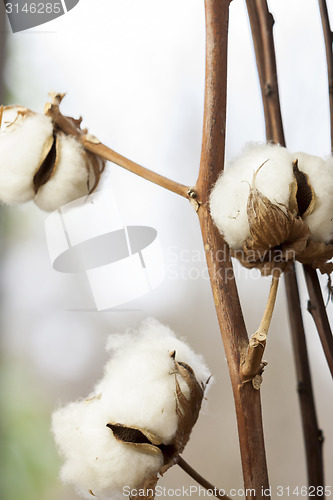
[[25, 141]]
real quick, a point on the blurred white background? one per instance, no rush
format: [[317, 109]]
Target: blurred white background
[[135, 72]]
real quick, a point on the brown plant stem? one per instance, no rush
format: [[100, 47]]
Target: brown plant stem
[[201, 480], [262, 33], [262, 21], [317, 310], [328, 37], [252, 365], [232, 326], [313, 435], [92, 144], [110, 155]]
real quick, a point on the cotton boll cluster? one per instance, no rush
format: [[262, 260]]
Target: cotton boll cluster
[[273, 207], [40, 163], [141, 399]]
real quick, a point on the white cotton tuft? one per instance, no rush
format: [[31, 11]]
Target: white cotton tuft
[[228, 199], [320, 173], [137, 390], [25, 139], [71, 178]]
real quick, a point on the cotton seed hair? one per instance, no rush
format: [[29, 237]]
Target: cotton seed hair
[[42, 164], [138, 418], [273, 207]]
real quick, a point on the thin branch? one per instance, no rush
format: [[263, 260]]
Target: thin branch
[[263, 37], [318, 311], [92, 144], [110, 155], [328, 37], [232, 326], [314, 437], [201, 480], [253, 365]]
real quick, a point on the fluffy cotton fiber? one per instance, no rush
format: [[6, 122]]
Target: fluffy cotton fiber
[[24, 139], [229, 196], [70, 179], [320, 173], [137, 390]]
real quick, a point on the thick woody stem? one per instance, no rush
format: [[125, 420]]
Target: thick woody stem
[[201, 480], [92, 144], [313, 437], [232, 326], [259, 9], [317, 309], [328, 37], [253, 365]]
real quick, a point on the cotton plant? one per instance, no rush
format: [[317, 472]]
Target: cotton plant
[[274, 207], [40, 162], [137, 420]]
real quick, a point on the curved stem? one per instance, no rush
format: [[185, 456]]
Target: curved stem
[[218, 493], [92, 144], [110, 155], [228, 309]]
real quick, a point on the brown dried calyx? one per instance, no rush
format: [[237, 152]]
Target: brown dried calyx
[[187, 410], [278, 234]]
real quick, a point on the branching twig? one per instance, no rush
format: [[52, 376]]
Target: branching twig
[[201, 480], [262, 33], [328, 37], [232, 326], [90, 143], [253, 365]]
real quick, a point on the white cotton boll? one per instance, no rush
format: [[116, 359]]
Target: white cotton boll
[[138, 390], [70, 179], [25, 140], [320, 173], [228, 199], [95, 460], [141, 360]]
